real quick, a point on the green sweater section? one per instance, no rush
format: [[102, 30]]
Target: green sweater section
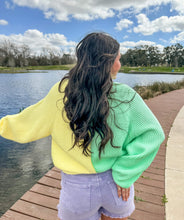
[[137, 134]]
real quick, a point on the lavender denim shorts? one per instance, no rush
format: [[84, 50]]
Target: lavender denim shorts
[[87, 196]]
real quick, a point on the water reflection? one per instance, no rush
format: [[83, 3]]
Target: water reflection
[[145, 79], [21, 165]]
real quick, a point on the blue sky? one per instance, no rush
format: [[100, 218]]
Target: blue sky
[[60, 24]]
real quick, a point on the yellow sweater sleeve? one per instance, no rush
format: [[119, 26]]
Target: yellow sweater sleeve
[[33, 123]]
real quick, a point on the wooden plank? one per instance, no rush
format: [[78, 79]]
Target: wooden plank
[[53, 174], [161, 152], [50, 182], [46, 190], [150, 182], [12, 215], [56, 169], [147, 197], [149, 189], [153, 176], [142, 215], [159, 160], [39, 199], [160, 156], [158, 165], [156, 171], [150, 207], [34, 210]]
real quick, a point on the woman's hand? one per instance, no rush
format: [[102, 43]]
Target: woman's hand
[[123, 192]]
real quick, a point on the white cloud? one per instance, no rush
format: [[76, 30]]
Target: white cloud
[[33, 34], [178, 38], [164, 40], [124, 23], [164, 24], [37, 41], [124, 46], [8, 5], [178, 5], [62, 10], [125, 37], [3, 22]]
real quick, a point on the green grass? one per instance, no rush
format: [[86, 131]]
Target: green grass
[[138, 199], [158, 88], [12, 70], [164, 199], [124, 69], [51, 67], [158, 69], [146, 177], [29, 68]]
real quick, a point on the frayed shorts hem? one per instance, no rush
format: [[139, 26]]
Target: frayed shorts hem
[[118, 216]]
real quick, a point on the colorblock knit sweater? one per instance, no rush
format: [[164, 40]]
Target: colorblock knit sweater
[[136, 131]]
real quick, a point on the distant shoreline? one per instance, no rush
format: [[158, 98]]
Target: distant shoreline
[[124, 69], [45, 70], [170, 73]]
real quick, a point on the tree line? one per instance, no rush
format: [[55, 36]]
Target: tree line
[[145, 55], [12, 55]]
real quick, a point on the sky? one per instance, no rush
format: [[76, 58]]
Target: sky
[[59, 24]]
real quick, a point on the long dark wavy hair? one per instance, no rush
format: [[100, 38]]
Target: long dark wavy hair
[[88, 88]]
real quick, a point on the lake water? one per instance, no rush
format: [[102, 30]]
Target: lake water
[[21, 165]]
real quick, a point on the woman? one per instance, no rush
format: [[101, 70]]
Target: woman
[[103, 134]]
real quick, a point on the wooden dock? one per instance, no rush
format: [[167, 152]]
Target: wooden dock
[[40, 202]]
